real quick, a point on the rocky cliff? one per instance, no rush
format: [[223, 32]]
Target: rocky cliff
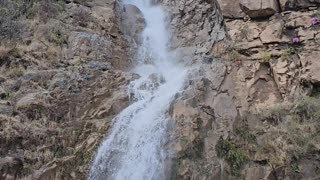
[[248, 110], [63, 79]]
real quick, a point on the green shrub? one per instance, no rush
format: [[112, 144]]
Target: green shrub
[[286, 53], [274, 115], [266, 57], [315, 92], [246, 135], [235, 157], [308, 108]]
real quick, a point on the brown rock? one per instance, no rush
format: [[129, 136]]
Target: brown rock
[[230, 8], [252, 31], [312, 63], [249, 45], [299, 20], [224, 107], [259, 8], [306, 34], [272, 33]]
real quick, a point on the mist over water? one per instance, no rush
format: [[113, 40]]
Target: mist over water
[[134, 149]]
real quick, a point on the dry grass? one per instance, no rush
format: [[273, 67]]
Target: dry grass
[[290, 132], [15, 72]]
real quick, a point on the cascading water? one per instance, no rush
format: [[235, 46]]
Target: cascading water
[[134, 150]]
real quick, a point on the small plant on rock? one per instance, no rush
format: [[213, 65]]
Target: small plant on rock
[[296, 40], [235, 157], [315, 21], [308, 108], [235, 55], [266, 57]]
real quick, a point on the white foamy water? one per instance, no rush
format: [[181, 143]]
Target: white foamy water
[[134, 149]]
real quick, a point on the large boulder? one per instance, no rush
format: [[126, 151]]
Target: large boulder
[[230, 8], [259, 8]]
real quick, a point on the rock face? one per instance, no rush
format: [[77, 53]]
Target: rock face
[[197, 25], [204, 111], [270, 74], [232, 106], [242, 113], [259, 8], [311, 68], [60, 87], [133, 22]]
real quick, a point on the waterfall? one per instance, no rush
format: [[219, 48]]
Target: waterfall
[[134, 149]]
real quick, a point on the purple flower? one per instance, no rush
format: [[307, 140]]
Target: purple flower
[[314, 21], [295, 40]]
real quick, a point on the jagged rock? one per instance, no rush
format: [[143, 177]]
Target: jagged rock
[[252, 31], [216, 73], [259, 8], [280, 70], [297, 20], [230, 8], [272, 33], [224, 107], [311, 62], [104, 14], [198, 23], [306, 34]]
